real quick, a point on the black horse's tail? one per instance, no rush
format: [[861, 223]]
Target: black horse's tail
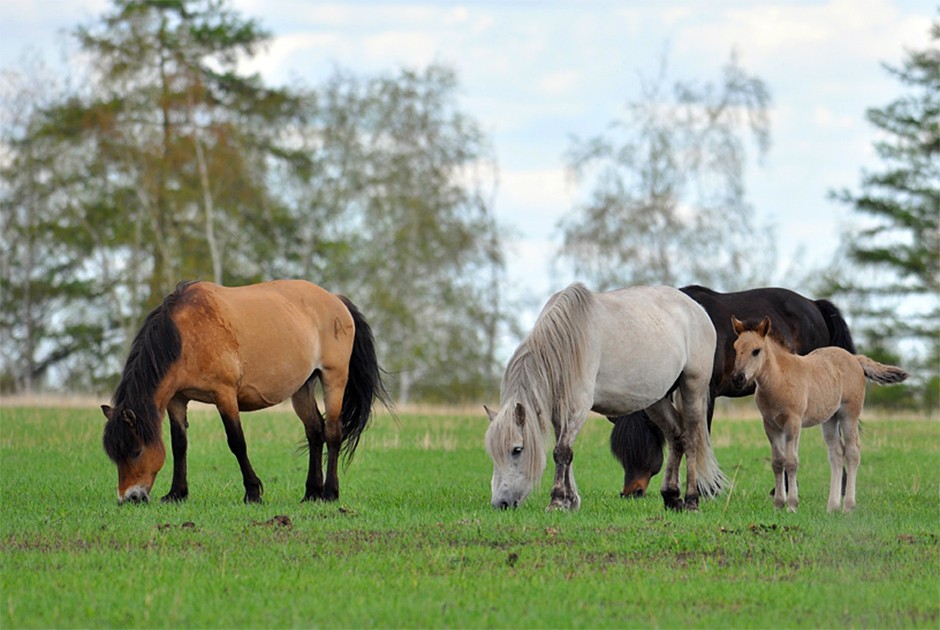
[[363, 385], [839, 334], [637, 444]]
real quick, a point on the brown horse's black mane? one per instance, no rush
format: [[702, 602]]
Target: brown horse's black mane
[[156, 347]]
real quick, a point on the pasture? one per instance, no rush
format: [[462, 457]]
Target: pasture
[[413, 541]]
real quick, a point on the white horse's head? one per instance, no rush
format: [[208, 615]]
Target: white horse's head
[[516, 446]]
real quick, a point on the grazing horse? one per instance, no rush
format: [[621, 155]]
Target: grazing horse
[[242, 349], [827, 387], [615, 353], [804, 325]]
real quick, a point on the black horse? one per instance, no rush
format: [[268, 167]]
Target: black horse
[[802, 323]]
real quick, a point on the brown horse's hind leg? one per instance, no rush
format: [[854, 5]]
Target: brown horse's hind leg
[[305, 405], [228, 409], [334, 387], [179, 489]]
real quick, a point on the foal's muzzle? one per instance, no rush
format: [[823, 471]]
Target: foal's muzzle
[[738, 380]]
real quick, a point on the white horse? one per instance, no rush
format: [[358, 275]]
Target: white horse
[[614, 353]]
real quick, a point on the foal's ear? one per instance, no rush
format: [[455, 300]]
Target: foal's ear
[[107, 411], [737, 324], [518, 414], [490, 413], [763, 328]]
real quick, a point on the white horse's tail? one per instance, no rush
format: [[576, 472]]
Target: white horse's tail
[[710, 480], [879, 372]]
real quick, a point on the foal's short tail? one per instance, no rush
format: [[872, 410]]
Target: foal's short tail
[[879, 372], [363, 385]]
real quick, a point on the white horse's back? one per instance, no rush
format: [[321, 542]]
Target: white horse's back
[[660, 334]]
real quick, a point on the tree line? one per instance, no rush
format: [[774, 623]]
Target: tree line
[[165, 162]]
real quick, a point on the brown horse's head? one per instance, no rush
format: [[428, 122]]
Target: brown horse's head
[[138, 459], [749, 350]]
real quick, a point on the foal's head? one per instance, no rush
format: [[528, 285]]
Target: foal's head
[[750, 350], [515, 444]]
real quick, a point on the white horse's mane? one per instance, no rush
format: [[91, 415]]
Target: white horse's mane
[[543, 371]]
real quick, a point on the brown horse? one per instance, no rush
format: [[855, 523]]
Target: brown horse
[[243, 349], [827, 387]]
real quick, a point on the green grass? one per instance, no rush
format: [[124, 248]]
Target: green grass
[[413, 541]]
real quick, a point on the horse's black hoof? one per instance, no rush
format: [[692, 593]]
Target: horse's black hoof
[[175, 496]]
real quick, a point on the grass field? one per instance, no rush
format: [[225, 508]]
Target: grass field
[[413, 541]]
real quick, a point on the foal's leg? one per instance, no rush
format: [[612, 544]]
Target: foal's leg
[[667, 419], [334, 387], [853, 457], [179, 489], [305, 406], [777, 446], [830, 431], [564, 490], [791, 463], [227, 404]]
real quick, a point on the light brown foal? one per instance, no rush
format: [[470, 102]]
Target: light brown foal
[[827, 387]]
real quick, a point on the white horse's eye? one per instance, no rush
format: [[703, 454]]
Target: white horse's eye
[[516, 451]]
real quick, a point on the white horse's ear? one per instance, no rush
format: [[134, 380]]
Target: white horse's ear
[[737, 324], [518, 414], [490, 413], [763, 328]]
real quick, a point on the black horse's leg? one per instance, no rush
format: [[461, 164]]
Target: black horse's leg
[[179, 489], [305, 405], [228, 409]]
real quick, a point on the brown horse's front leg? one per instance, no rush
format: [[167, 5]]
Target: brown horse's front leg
[[179, 489], [236, 442]]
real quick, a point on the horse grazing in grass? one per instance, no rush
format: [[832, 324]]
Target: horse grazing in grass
[[242, 349], [827, 387], [803, 323], [615, 353]]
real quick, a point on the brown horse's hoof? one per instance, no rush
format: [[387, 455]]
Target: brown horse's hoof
[[672, 500], [175, 496]]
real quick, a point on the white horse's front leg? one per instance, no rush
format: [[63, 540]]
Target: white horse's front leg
[[564, 490]]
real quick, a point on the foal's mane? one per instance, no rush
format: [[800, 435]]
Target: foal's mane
[[751, 325], [155, 348]]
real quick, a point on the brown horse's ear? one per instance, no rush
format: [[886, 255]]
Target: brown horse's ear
[[763, 328], [107, 411], [490, 413], [518, 414], [738, 325], [129, 417]]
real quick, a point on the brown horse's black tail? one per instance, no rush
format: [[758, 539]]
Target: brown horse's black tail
[[839, 334], [363, 385]]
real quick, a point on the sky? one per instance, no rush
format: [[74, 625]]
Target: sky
[[536, 74]]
